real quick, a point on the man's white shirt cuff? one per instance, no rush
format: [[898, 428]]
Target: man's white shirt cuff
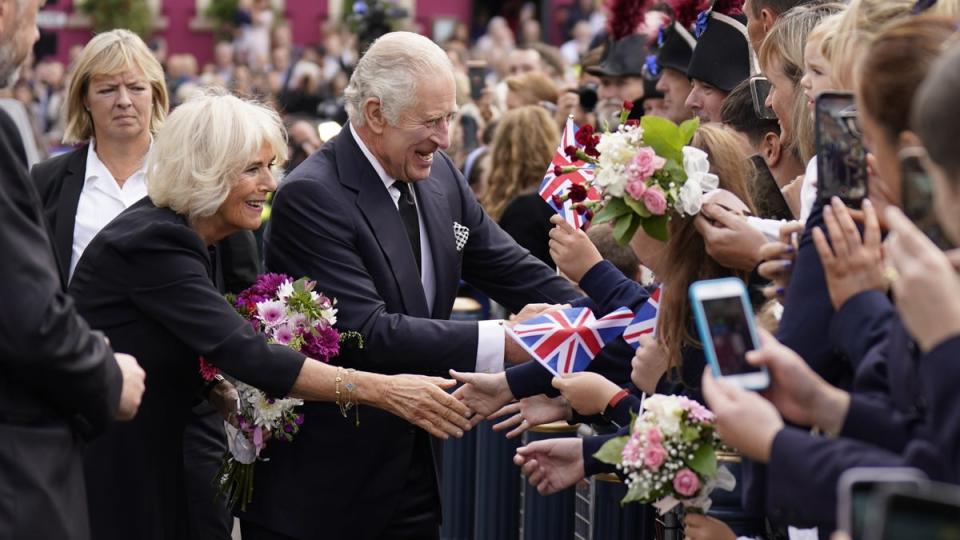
[[490, 336]]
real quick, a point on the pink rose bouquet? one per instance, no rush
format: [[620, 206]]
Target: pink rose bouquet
[[669, 457], [289, 313], [644, 171]]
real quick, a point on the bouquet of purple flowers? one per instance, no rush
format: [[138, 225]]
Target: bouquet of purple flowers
[[289, 313]]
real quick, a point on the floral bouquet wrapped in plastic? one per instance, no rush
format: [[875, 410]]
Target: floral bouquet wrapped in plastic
[[670, 456], [289, 313], [644, 171]]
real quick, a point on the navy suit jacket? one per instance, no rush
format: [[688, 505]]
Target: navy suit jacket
[[334, 222]]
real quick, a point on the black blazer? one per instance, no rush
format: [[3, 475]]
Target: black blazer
[[53, 369], [146, 282], [333, 221], [59, 181]]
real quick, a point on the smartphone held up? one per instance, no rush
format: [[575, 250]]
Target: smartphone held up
[[728, 331], [841, 155]]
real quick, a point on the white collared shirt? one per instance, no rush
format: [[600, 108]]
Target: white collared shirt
[[490, 333], [101, 200]]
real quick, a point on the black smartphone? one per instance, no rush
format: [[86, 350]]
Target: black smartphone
[[759, 90], [928, 510], [857, 487], [841, 156], [477, 73], [767, 196], [916, 196]]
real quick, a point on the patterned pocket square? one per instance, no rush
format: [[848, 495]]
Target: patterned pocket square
[[461, 234]]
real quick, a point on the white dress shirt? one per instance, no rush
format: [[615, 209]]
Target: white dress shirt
[[490, 333], [101, 200]]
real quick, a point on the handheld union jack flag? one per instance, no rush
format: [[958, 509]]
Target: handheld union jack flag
[[565, 341], [645, 321], [556, 185]]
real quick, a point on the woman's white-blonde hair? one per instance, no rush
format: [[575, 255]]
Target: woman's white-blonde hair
[[390, 71], [855, 29], [107, 54], [204, 145]]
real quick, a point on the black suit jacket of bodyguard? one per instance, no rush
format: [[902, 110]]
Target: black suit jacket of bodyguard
[[52, 368], [334, 222]]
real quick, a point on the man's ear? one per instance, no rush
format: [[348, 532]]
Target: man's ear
[[373, 115], [767, 19], [908, 139], [771, 149]]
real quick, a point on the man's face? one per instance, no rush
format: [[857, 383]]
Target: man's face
[[620, 89], [523, 61], [675, 87], [406, 150], [18, 33], [705, 101]]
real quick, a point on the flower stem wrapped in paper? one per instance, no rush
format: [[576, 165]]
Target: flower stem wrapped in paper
[[670, 456], [644, 170], [289, 313]]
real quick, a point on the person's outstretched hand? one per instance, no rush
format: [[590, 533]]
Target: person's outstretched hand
[[530, 412], [424, 402], [551, 465], [483, 393]]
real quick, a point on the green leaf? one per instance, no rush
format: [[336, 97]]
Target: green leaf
[[611, 452], [663, 136], [690, 433], [656, 227], [637, 206], [635, 493], [625, 228], [613, 210], [688, 128], [704, 461]]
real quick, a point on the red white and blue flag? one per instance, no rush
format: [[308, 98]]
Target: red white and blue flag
[[558, 185], [567, 340], [645, 321]]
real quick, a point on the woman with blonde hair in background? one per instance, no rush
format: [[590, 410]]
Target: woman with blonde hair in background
[[522, 149]]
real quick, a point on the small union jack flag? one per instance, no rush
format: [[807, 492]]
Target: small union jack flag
[[645, 321], [558, 185], [565, 341]]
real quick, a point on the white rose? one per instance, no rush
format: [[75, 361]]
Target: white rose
[[691, 195], [695, 161], [613, 182]]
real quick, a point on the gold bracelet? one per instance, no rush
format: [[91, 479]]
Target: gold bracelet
[[351, 386], [337, 381]]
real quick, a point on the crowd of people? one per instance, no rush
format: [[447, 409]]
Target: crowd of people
[[137, 188]]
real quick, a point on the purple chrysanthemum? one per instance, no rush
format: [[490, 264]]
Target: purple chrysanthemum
[[321, 345]]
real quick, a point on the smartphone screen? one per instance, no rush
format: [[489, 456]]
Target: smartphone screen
[[841, 156], [730, 334], [916, 196], [477, 74], [759, 90], [862, 494], [908, 516]]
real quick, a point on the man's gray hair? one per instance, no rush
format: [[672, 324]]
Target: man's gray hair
[[390, 71]]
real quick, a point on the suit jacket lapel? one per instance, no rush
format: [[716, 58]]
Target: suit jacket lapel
[[67, 209], [378, 209], [438, 223]]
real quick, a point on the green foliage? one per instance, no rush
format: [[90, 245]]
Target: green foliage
[[704, 461], [637, 206], [656, 227], [222, 13], [613, 210], [611, 452], [134, 15], [688, 128], [626, 227], [664, 137], [635, 493]]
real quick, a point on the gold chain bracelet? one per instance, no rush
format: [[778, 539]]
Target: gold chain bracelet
[[348, 403]]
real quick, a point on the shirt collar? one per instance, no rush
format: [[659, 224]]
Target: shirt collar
[[96, 170], [384, 177]]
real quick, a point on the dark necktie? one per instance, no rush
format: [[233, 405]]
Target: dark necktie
[[408, 213]]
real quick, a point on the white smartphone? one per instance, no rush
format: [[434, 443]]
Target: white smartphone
[[858, 486], [727, 330]]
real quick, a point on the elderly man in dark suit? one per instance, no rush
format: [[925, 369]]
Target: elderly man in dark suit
[[60, 380], [384, 222]]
